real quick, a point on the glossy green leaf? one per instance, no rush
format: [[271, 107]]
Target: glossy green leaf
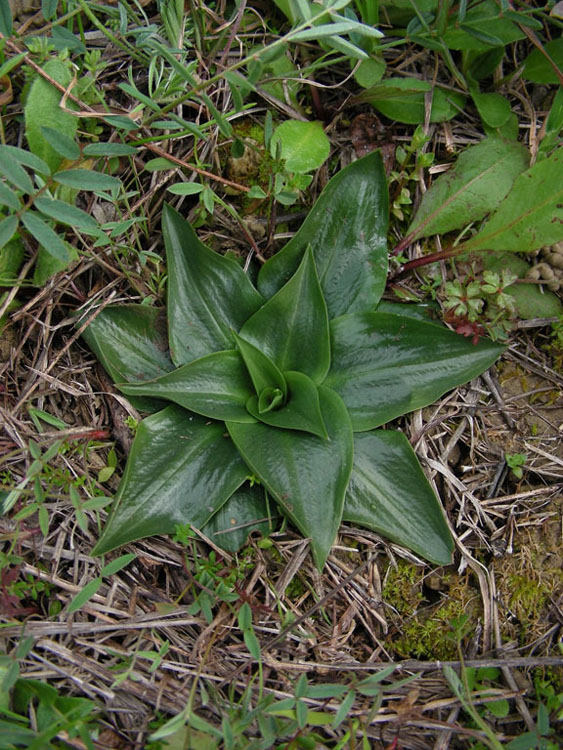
[[389, 493], [181, 469], [403, 100], [302, 145], [215, 386], [66, 214], [347, 231], [245, 512], [209, 295], [130, 342], [86, 179], [537, 66], [481, 177], [302, 410], [49, 240], [262, 370], [531, 215], [385, 365], [292, 327], [310, 482], [43, 108]]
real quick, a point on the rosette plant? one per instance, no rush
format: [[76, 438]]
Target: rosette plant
[[275, 394]]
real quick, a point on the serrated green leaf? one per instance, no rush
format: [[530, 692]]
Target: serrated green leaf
[[42, 108], [347, 231], [8, 228], [61, 144], [292, 327], [481, 177], [385, 365], [181, 469], [130, 342], [14, 172], [67, 214], [245, 512], [216, 386], [310, 483], [531, 215], [389, 494], [86, 179], [209, 295], [303, 145], [302, 410], [46, 236]]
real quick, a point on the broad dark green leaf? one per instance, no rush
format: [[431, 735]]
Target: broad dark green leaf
[[481, 177], [389, 493], [292, 327], [347, 231], [262, 370], [46, 236], [209, 295], [86, 179], [66, 214], [302, 410], [216, 386], [130, 342], [531, 215], [181, 469], [14, 172], [385, 365], [6, 24], [428, 313], [245, 512], [306, 475], [403, 100]]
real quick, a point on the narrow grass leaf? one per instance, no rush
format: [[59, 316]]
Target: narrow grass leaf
[[224, 126], [46, 236], [12, 62], [83, 596], [86, 179], [66, 214], [344, 709], [61, 143], [14, 172], [6, 24], [118, 564], [8, 227], [109, 149]]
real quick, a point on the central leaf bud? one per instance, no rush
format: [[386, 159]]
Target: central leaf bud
[[270, 399]]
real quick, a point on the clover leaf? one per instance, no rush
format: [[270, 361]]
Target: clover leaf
[[275, 393]]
